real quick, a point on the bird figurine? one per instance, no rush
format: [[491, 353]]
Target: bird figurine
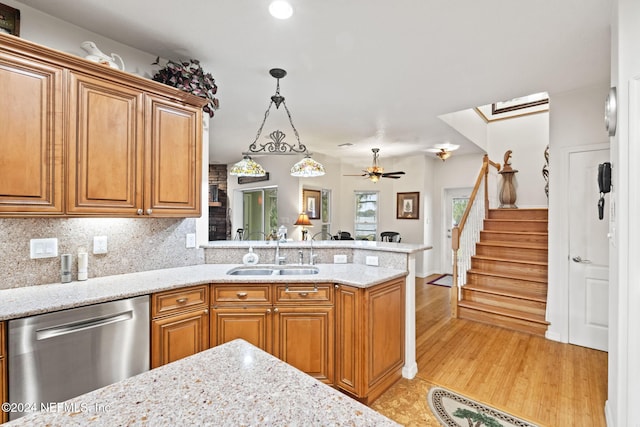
[[96, 55]]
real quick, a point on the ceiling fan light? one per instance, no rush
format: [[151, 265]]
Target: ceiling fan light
[[444, 155], [280, 9], [247, 167], [307, 168]]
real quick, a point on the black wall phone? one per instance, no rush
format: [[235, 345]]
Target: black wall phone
[[604, 185]]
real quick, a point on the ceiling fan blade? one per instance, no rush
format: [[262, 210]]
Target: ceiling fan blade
[[390, 176], [393, 173], [360, 174]]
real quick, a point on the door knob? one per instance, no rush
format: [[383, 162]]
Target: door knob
[[580, 260]]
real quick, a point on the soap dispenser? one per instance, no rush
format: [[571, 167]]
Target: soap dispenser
[[251, 258]]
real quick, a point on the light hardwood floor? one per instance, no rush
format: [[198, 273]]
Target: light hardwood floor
[[545, 382]]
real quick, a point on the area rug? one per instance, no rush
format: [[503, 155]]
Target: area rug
[[444, 280], [454, 410]]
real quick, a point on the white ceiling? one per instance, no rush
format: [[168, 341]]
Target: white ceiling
[[368, 72]]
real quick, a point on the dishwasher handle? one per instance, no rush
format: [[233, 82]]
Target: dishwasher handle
[[94, 322]]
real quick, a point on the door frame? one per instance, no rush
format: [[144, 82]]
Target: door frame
[[558, 295]]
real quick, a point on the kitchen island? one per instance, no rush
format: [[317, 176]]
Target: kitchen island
[[229, 385]]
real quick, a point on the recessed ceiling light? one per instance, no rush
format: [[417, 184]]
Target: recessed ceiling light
[[280, 9]]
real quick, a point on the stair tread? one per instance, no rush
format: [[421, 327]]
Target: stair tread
[[528, 233], [525, 277], [526, 294], [511, 260], [514, 220], [504, 312], [512, 244]]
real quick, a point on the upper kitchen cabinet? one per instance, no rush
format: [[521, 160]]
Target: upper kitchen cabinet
[[31, 136], [110, 143]]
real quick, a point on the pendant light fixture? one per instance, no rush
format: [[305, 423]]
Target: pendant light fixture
[[307, 167]]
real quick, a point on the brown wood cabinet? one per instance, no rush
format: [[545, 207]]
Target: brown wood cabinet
[[80, 138], [180, 324], [369, 338], [4, 416], [31, 122], [294, 322]]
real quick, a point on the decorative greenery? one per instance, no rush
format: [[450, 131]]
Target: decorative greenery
[[476, 419], [190, 77]]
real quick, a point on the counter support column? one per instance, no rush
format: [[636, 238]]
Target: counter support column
[[410, 368]]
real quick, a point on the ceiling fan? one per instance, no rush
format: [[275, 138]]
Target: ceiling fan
[[375, 172], [443, 151]]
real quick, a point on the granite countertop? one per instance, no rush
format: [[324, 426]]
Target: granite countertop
[[31, 300], [322, 244], [232, 384]]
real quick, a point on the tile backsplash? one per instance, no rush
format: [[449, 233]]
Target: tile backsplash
[[135, 244]]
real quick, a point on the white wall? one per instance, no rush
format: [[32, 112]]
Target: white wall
[[624, 296], [575, 121], [469, 123], [527, 137], [52, 32]]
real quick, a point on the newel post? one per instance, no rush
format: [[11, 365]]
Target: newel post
[[455, 244]]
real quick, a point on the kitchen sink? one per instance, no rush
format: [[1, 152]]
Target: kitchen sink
[[279, 270]]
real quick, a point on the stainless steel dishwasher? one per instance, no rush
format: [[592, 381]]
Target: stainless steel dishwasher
[[56, 356]]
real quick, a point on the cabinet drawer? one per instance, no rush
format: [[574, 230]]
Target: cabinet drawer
[[304, 292], [172, 301], [240, 294]]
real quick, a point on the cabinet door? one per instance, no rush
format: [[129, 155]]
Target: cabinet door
[[252, 324], [304, 337], [105, 147], [384, 345], [31, 144], [173, 158], [178, 336], [349, 341], [3, 389]]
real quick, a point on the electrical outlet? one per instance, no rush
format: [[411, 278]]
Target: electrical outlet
[[100, 245], [339, 259], [191, 240], [372, 260], [43, 248]]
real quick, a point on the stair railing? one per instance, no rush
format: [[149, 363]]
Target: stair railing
[[466, 234]]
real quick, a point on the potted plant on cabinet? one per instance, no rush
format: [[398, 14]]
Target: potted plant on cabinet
[[190, 77]]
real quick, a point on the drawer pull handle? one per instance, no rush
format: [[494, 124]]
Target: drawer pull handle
[[302, 292], [181, 300], [242, 294]]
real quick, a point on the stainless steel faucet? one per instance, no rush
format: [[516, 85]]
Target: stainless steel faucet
[[278, 260]]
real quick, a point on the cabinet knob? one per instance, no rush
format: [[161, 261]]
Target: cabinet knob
[[206, 311], [139, 211], [336, 286], [149, 211], [268, 311], [242, 294], [275, 310], [181, 300]]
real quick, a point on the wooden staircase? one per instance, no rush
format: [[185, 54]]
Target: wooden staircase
[[507, 283]]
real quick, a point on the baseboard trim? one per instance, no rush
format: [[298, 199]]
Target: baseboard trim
[[608, 416]]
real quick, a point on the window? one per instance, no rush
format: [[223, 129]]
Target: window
[[366, 222]]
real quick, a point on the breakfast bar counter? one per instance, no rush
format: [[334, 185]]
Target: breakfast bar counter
[[234, 384]]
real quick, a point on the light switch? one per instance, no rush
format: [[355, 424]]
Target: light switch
[[44, 248], [191, 240], [100, 245]]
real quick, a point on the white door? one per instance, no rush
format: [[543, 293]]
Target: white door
[[588, 252], [455, 202]]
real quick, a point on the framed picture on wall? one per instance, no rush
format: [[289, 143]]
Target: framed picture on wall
[[9, 20], [311, 203], [408, 205]]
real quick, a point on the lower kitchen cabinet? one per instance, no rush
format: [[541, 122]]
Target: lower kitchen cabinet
[[293, 322], [3, 372], [369, 338], [252, 324], [180, 324]]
